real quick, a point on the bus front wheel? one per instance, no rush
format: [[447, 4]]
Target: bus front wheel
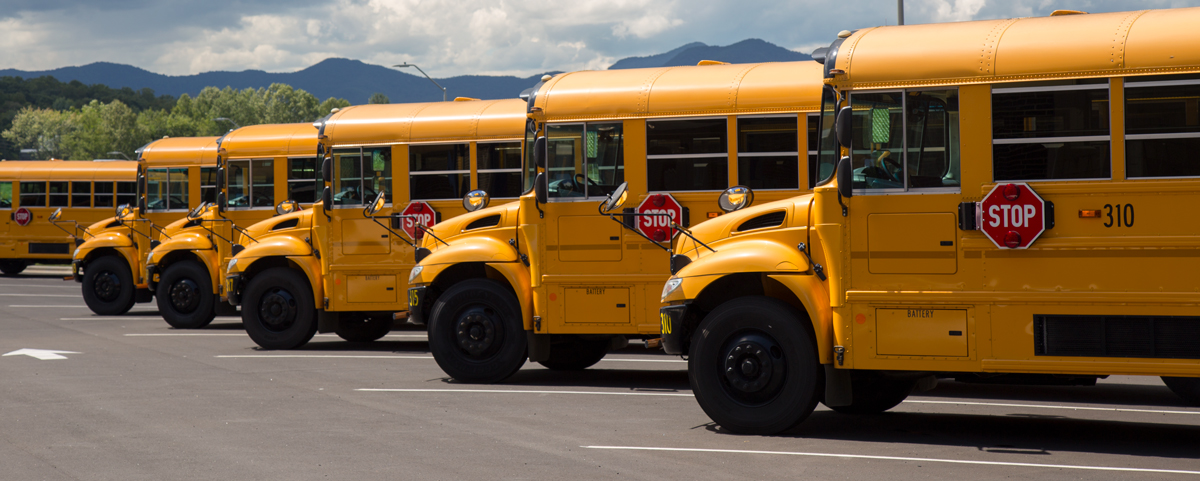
[[278, 310], [1187, 388], [756, 370], [475, 332], [185, 296], [12, 267], [108, 288]]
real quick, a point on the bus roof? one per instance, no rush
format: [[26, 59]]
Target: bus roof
[[1021, 49], [81, 170], [271, 140], [181, 151], [682, 91], [427, 122]]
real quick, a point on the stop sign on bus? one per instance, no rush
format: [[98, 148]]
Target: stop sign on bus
[[664, 210], [1012, 216], [417, 213], [23, 216]]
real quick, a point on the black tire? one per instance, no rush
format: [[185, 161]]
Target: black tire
[[185, 297], [575, 355], [475, 332], [108, 288], [12, 267], [1187, 388], [753, 366], [361, 328], [874, 393], [278, 310]]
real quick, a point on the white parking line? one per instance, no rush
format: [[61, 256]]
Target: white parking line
[[38, 295], [311, 355], [642, 360], [521, 391], [189, 334], [39, 286], [899, 458], [29, 305], [111, 318], [413, 336], [1045, 406]]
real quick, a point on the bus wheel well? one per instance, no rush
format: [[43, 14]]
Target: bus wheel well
[[176, 256], [734, 286], [268, 263], [101, 252], [460, 272]]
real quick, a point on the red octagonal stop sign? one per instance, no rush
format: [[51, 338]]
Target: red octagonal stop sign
[[658, 227], [23, 216], [1012, 216], [417, 213]]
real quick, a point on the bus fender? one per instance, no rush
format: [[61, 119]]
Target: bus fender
[[748, 255], [186, 242], [518, 277], [814, 296], [277, 246], [478, 249]]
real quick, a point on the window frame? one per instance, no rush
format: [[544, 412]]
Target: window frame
[[171, 172], [212, 186], [334, 152], [518, 170], [51, 196], [908, 189], [1107, 86], [45, 193], [75, 194], [317, 181], [587, 197], [650, 157], [411, 173], [249, 184], [1126, 85], [10, 194]]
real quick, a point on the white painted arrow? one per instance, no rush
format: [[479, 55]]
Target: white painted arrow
[[42, 354]]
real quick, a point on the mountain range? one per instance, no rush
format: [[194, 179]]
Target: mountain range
[[355, 81]]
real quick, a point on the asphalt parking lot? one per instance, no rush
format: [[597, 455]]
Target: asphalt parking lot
[[128, 398]]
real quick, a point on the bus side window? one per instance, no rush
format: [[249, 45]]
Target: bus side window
[[6, 195], [303, 180], [769, 152], [103, 197], [208, 184], [377, 165], [932, 139], [604, 158], [33, 194], [60, 195], [1046, 132], [499, 168], [687, 154], [262, 183], [81, 194], [127, 193], [564, 164], [1162, 126], [157, 196], [439, 171], [177, 188]]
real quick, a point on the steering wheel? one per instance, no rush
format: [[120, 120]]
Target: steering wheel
[[893, 168]]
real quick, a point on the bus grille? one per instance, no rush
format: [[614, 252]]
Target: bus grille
[[1160, 337]]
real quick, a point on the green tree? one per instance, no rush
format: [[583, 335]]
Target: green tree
[[379, 98], [331, 103], [41, 129], [283, 105]]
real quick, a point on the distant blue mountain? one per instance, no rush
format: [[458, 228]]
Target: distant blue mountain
[[356, 81]]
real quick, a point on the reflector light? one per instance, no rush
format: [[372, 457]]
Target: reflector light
[[1012, 239], [713, 215], [1011, 192], [1089, 213]]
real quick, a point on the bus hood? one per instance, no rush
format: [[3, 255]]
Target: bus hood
[[472, 223], [286, 224], [760, 219]]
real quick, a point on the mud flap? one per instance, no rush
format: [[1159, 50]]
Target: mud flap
[[539, 346], [327, 321], [838, 391]]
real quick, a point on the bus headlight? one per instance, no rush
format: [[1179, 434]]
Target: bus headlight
[[416, 271], [76, 254], [232, 264], [671, 286]]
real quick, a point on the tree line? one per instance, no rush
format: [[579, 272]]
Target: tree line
[[81, 122]]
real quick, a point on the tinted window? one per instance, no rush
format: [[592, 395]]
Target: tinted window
[[60, 194], [127, 193], [439, 171], [687, 155], [81, 194], [768, 155], [303, 180], [33, 194], [103, 197], [1051, 132], [499, 168], [1162, 126]]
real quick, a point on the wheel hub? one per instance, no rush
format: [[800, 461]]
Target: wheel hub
[[107, 286], [475, 331], [185, 295], [277, 309], [753, 367]]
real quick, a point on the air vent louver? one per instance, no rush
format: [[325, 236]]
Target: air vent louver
[[287, 224], [489, 221], [772, 219]]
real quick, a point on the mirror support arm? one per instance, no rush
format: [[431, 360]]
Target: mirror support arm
[[375, 219], [426, 230]]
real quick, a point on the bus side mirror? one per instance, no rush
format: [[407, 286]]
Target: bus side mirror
[[57, 213], [617, 198], [142, 204], [377, 204], [195, 213], [475, 200], [541, 188], [287, 207], [844, 127], [220, 178], [326, 199], [141, 186], [539, 152], [327, 169], [221, 202], [735, 198], [122, 211], [845, 177]]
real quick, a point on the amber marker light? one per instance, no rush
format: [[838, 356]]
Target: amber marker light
[[713, 215], [1089, 214]]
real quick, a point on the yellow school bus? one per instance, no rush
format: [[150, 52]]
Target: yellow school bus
[[550, 279], [262, 170], [1001, 196], [340, 266], [109, 264], [30, 191]]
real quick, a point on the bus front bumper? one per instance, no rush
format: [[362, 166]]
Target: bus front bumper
[[233, 288], [77, 270], [416, 305], [674, 333]]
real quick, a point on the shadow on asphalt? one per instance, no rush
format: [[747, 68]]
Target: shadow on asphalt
[[1031, 437], [1102, 393], [646, 380]]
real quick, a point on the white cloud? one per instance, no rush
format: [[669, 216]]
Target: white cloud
[[451, 37]]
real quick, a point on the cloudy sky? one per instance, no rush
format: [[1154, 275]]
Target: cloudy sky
[[449, 37]]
